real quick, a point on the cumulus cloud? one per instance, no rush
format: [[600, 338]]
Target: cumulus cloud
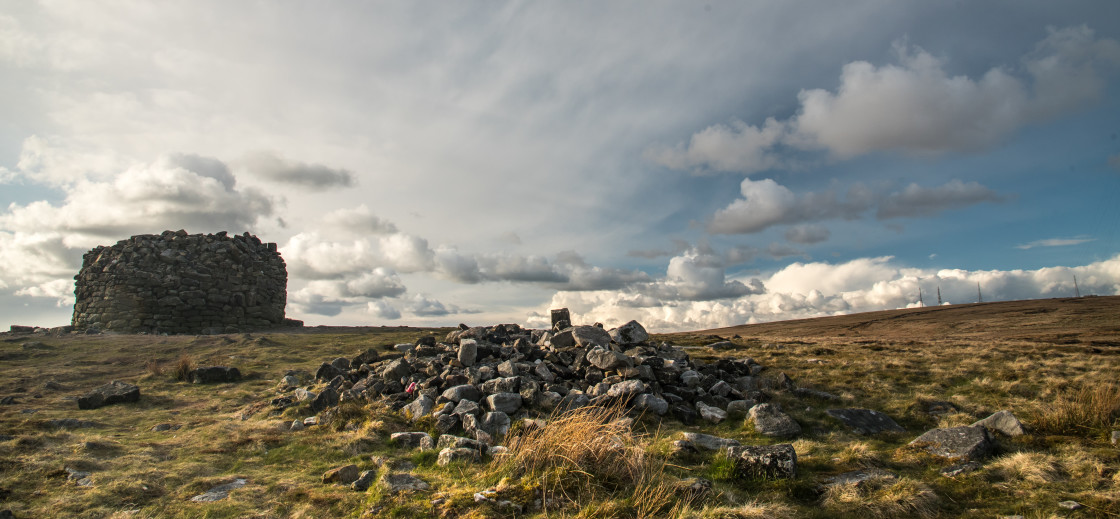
[[803, 290], [383, 310], [310, 176], [1056, 242], [766, 203], [914, 105], [916, 200]]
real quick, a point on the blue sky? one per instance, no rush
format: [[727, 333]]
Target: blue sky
[[688, 165]]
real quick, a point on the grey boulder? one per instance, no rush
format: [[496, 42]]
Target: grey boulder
[[865, 421], [115, 392], [956, 443]]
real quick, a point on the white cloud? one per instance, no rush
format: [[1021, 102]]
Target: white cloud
[[804, 290], [915, 106], [1055, 242], [383, 310]]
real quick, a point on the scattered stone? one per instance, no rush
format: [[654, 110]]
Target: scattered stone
[[397, 483], [214, 374], [297, 425], [652, 403], [326, 398], [1115, 437], [1070, 505], [346, 474], [462, 392], [364, 481], [859, 477], [626, 389], [709, 442], [288, 382], [419, 408], [694, 488], [507, 403], [865, 421], [964, 443], [769, 420], [805, 392], [413, 440], [739, 408], [608, 360], [219, 492], [1004, 422], [468, 352], [456, 442], [81, 478], [722, 345], [953, 471], [764, 461], [115, 392]]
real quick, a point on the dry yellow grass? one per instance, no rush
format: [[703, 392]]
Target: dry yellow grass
[[883, 498], [1093, 407], [1032, 467]]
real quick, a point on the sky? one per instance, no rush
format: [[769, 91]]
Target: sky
[[689, 165]]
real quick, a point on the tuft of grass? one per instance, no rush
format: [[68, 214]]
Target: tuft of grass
[[591, 453], [1032, 467], [1084, 410], [883, 498], [154, 368], [183, 368]]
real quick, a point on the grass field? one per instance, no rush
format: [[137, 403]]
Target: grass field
[[1053, 363]]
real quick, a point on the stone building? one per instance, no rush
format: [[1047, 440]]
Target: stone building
[[182, 283]]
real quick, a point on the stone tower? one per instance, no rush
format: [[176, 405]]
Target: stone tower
[[179, 283]]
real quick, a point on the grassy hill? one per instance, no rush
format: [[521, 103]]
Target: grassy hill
[[1053, 363]]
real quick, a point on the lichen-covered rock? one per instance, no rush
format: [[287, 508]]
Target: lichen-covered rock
[[769, 420], [764, 461], [412, 440], [468, 352], [115, 392], [507, 403], [956, 443], [345, 475], [588, 336], [709, 442], [1004, 422], [419, 408], [450, 455], [397, 483], [180, 283], [608, 360]]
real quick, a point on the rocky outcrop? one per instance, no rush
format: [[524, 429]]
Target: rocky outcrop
[[179, 283], [115, 392]]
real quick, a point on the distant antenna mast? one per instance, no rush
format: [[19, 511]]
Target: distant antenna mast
[[921, 304], [939, 295], [1076, 289], [979, 296]]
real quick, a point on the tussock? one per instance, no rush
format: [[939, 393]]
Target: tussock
[[183, 368], [1032, 467], [883, 498], [1082, 410]]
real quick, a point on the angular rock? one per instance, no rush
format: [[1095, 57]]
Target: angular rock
[[544, 373], [468, 352], [563, 339], [956, 443], [449, 455], [608, 360], [769, 420], [507, 403], [589, 336], [764, 461], [396, 370], [413, 440], [629, 334], [739, 408], [465, 407], [502, 385], [495, 423], [462, 392], [115, 392], [326, 398], [365, 479], [214, 374], [651, 403], [457, 442], [326, 372], [865, 421], [560, 315], [626, 389], [345, 475], [710, 413], [709, 442], [1004, 422], [397, 483], [419, 408], [508, 369]]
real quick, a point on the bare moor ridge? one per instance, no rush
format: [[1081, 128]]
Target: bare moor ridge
[[1090, 321]]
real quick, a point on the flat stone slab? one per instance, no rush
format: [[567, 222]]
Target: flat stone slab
[[709, 442], [764, 461], [219, 492], [859, 477], [115, 392], [956, 443], [865, 421]]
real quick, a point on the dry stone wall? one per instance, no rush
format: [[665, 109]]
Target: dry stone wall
[[182, 283]]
